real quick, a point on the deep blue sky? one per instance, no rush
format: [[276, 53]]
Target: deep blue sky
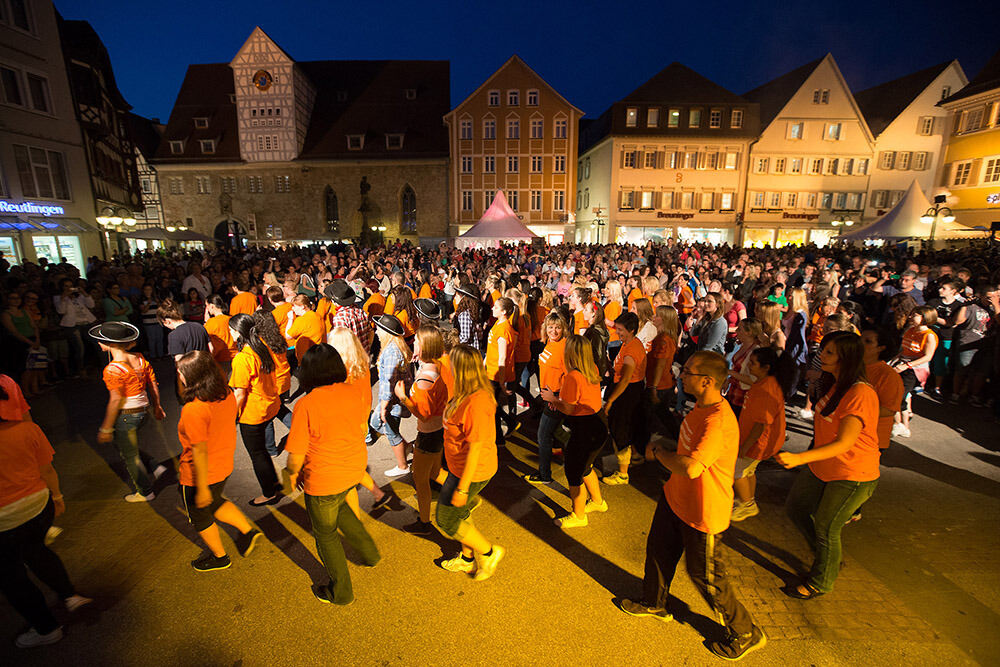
[[592, 52]]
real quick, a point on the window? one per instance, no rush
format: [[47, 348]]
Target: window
[[821, 96], [255, 184], [760, 165], [628, 200], [973, 120], [204, 185], [673, 158], [145, 184], [175, 186], [779, 165], [840, 200], [408, 211], [886, 159], [513, 128], [283, 184], [465, 129], [667, 200], [691, 160], [631, 117], [775, 200], [489, 164], [489, 129], [532, 98], [559, 164], [726, 201], [833, 131], [708, 201], [920, 161], [201, 122], [796, 166], [687, 200], [694, 118], [732, 160], [628, 158], [715, 118], [816, 167], [559, 200], [560, 128], [926, 127], [878, 198], [736, 119], [674, 118], [513, 98], [826, 200], [536, 128], [894, 197], [355, 142], [536, 200], [646, 200], [992, 173], [466, 200], [332, 206], [795, 130], [903, 160], [513, 164], [38, 90], [757, 199], [790, 199], [536, 164], [854, 201], [846, 166], [493, 98], [11, 81], [466, 164], [207, 145], [861, 167], [393, 142], [19, 15], [945, 91], [649, 160], [42, 172], [228, 184], [176, 147], [962, 171], [586, 196], [832, 165], [513, 199], [652, 117], [712, 160]]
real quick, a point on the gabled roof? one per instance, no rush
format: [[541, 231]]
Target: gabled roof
[[205, 93], [146, 134], [883, 103], [774, 95], [680, 84], [987, 79], [514, 59], [81, 42], [258, 34]]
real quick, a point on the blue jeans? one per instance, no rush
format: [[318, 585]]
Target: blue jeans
[[389, 428], [126, 439], [285, 417], [154, 338], [547, 425], [328, 514], [819, 510]]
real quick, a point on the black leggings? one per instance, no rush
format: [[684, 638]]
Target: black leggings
[[910, 382], [263, 467], [506, 409], [626, 429], [587, 434]]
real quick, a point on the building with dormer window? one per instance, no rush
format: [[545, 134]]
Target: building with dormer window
[[266, 148]]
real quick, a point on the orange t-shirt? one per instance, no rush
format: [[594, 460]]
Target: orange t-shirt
[[551, 365], [816, 327], [429, 398], [502, 329], [687, 300], [262, 402], [307, 325], [223, 345], [127, 381], [915, 342], [710, 436], [336, 457], [764, 403], [536, 328], [611, 312], [583, 396], [280, 315], [390, 301], [23, 450], [860, 462], [636, 293], [579, 322], [662, 347], [425, 292], [634, 350], [15, 407], [282, 371], [447, 374], [888, 387], [244, 302], [409, 328], [375, 305], [325, 309], [211, 423], [472, 422], [522, 351]]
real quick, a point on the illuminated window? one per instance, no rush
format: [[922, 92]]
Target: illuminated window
[[833, 131], [255, 184], [973, 120], [840, 201], [631, 117], [687, 200], [652, 117], [926, 126], [779, 165], [408, 211], [628, 158], [707, 201], [332, 210], [674, 118], [715, 118], [795, 130], [627, 200], [691, 160], [861, 167], [920, 161], [775, 200], [757, 199], [732, 160], [646, 200], [726, 201], [204, 185], [760, 165], [795, 166], [817, 166], [992, 173], [283, 184], [962, 171], [649, 160], [832, 165], [694, 118], [790, 199]]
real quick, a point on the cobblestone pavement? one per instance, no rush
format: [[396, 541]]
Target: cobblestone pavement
[[919, 585]]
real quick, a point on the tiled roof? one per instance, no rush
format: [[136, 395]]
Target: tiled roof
[[679, 84], [883, 103], [145, 134], [80, 41], [205, 92], [987, 79], [774, 95]]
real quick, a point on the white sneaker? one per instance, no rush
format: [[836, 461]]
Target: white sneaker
[[591, 506], [487, 565], [572, 521], [159, 470], [459, 564], [900, 431], [805, 415], [139, 498], [74, 602], [31, 638], [397, 472], [904, 432]]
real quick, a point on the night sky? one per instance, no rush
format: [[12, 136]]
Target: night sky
[[590, 52]]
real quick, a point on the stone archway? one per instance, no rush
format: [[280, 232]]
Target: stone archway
[[230, 233]]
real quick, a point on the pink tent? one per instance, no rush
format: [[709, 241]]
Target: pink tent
[[498, 225]]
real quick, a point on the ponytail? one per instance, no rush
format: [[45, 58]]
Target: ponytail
[[247, 334]]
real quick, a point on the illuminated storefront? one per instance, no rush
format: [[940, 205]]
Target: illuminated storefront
[[30, 231], [778, 237]]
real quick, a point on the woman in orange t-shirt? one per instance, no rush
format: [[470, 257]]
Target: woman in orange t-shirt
[[842, 465], [522, 349], [257, 402], [426, 401], [267, 330], [913, 363], [499, 364], [220, 341], [208, 442], [471, 456], [612, 309], [659, 373], [134, 393], [327, 460], [405, 311], [550, 373], [579, 399], [625, 399]]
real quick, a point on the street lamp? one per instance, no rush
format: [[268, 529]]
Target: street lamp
[[938, 210], [598, 221], [111, 217], [842, 221]]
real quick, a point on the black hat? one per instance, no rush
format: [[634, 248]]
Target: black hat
[[341, 293], [428, 308], [467, 291], [389, 324], [114, 332]]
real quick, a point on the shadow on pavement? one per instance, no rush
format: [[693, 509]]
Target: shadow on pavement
[[900, 456], [975, 424]]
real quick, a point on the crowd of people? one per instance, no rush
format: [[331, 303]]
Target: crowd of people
[[683, 358]]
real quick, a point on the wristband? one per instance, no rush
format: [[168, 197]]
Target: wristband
[[106, 430], [461, 492]]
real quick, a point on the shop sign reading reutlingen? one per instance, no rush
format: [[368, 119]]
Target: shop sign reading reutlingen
[[28, 208]]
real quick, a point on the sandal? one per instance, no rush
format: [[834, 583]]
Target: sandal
[[269, 501], [793, 591]]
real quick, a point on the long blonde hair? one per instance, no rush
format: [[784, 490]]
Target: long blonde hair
[[519, 298], [769, 315], [669, 323], [643, 310], [614, 290], [798, 301], [579, 356], [387, 339], [351, 353], [470, 377], [431, 343]]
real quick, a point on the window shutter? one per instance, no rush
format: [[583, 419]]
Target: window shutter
[[622, 161], [946, 174], [659, 159], [925, 165], [720, 160], [977, 166]]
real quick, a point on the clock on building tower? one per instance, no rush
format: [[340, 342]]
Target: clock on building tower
[[262, 79]]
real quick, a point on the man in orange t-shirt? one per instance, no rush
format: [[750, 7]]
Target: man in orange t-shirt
[[695, 508], [245, 301], [279, 307]]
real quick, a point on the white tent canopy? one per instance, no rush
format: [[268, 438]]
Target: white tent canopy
[[498, 225], [903, 222]]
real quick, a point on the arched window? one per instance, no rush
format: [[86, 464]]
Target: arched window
[[408, 211], [332, 210]]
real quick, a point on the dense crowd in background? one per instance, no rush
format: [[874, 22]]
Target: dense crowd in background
[[685, 357]]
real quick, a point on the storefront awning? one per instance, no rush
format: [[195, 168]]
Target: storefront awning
[[11, 224], [61, 225]]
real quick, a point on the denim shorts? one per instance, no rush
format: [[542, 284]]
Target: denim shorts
[[448, 517]]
